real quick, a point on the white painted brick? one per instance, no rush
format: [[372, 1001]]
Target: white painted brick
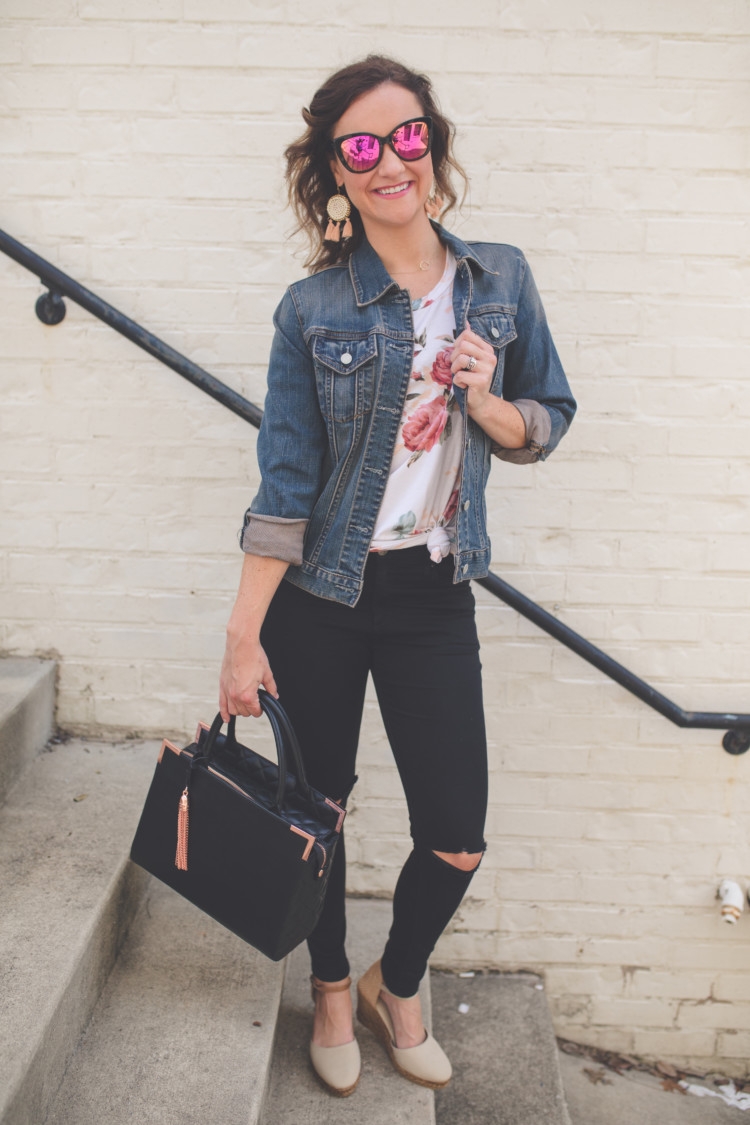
[[94, 678], [681, 986], [528, 191], [640, 1013], [235, 11], [11, 46], [80, 46], [41, 10], [152, 713], [702, 150], [190, 136], [184, 46], [21, 532], [703, 59], [717, 192], [594, 148], [126, 92], [733, 1045], [674, 1044], [151, 10], [172, 180], [680, 236], [616, 104], [581, 54], [50, 177], [714, 1014]]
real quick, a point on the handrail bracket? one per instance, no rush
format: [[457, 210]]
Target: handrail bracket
[[736, 741], [50, 307]]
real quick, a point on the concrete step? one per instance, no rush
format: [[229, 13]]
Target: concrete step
[[67, 895], [295, 1097], [27, 706], [506, 1068], [599, 1096], [183, 1032]]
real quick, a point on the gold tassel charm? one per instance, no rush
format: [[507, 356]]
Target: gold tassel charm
[[338, 210], [181, 858]]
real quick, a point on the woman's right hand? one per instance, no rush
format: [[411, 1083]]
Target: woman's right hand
[[245, 667]]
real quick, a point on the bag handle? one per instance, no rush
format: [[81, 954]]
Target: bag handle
[[272, 707], [286, 743]]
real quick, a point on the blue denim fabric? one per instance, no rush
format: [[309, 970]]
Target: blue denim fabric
[[338, 375]]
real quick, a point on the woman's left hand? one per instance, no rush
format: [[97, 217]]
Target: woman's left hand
[[478, 380], [498, 418]]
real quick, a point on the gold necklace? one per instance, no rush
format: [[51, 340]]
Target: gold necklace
[[425, 264]]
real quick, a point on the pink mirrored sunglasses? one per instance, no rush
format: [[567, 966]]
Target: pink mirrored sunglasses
[[361, 152]]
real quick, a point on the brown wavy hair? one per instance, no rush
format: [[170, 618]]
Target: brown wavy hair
[[310, 182]]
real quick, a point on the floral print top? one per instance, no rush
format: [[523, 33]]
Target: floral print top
[[421, 496]]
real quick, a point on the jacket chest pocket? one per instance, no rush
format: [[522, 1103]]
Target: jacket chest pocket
[[498, 329], [345, 371]]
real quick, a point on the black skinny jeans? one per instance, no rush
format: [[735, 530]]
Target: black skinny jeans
[[414, 631]]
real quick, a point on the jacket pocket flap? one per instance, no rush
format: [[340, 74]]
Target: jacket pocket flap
[[498, 329], [344, 356]]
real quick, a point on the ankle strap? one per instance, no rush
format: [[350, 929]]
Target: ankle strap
[[330, 986]]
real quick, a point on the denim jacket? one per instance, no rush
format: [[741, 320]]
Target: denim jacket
[[338, 376]]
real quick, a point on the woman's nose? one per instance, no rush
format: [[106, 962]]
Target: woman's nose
[[390, 163]]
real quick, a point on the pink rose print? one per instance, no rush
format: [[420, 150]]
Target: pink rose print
[[451, 506], [441, 368], [426, 425]]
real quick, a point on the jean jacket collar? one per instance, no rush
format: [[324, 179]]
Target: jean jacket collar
[[371, 280]]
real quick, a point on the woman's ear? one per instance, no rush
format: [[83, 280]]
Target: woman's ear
[[336, 173]]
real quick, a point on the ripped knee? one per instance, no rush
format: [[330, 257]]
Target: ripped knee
[[464, 861]]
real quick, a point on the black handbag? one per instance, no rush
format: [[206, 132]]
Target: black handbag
[[248, 842]]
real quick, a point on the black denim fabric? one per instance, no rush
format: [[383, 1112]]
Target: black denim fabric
[[413, 629]]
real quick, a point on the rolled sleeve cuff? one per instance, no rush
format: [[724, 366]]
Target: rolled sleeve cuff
[[538, 425], [273, 537]]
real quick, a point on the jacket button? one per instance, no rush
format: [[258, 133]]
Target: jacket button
[[467, 505], [346, 358], [495, 332]]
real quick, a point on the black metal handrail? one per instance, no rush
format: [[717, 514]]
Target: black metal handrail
[[50, 308]]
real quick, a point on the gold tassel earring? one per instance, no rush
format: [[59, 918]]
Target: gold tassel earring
[[338, 210]]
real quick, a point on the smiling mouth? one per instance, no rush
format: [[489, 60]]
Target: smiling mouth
[[399, 189]]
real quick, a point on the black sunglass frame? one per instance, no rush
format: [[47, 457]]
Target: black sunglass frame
[[383, 141]]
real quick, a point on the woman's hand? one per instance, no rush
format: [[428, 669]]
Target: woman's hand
[[245, 666], [244, 669], [498, 418], [478, 380]]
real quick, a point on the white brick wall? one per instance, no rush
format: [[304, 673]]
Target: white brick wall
[[142, 154]]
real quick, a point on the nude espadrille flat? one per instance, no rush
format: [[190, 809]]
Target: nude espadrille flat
[[338, 1068], [426, 1064]]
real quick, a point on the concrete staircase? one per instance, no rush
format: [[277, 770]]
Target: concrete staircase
[[121, 1003]]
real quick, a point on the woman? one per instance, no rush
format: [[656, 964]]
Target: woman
[[397, 368]]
